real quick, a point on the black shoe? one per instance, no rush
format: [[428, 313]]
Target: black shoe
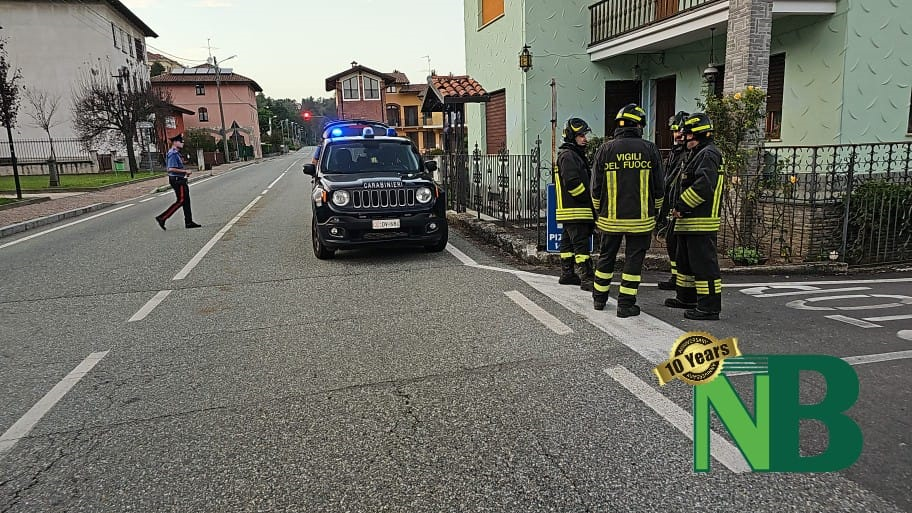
[[194, 225], [587, 285], [571, 279], [161, 222], [668, 285], [699, 315], [628, 311], [598, 305], [673, 302]]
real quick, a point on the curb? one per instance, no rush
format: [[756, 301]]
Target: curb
[[12, 229], [528, 252], [30, 201]]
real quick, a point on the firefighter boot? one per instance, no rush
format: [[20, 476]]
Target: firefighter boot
[[568, 277], [670, 284], [587, 275]]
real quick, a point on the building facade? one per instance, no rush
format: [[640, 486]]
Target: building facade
[[403, 111], [360, 92], [195, 89], [835, 71]]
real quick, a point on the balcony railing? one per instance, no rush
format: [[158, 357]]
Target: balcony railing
[[612, 18]]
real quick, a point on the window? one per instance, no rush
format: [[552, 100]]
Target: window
[[140, 50], [130, 46], [414, 137], [719, 84], [427, 118], [350, 89], [361, 156], [430, 139], [203, 114], [774, 96], [124, 41], [200, 90], [491, 10], [391, 89], [170, 122], [371, 89], [392, 115], [114, 34], [411, 116]]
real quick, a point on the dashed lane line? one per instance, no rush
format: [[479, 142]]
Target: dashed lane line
[[150, 305], [550, 321]]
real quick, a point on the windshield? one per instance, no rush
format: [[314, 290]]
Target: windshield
[[365, 155]]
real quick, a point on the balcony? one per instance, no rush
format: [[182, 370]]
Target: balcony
[[623, 26]]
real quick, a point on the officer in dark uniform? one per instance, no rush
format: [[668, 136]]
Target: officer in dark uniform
[[177, 177], [696, 212], [574, 205], [672, 170], [627, 192]]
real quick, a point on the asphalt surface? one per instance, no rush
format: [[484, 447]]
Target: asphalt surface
[[383, 380]]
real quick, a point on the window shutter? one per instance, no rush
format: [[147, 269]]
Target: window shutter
[[776, 85]]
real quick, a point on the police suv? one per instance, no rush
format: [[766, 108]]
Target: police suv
[[370, 187]]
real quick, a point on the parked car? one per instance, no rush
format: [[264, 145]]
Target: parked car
[[370, 187]]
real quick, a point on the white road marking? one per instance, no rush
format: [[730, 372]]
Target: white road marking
[[721, 449], [465, 259], [803, 290], [888, 318], [149, 306], [802, 304], [834, 282], [202, 252], [23, 426], [550, 321], [264, 191], [147, 199], [904, 334], [874, 358], [851, 320], [275, 181], [202, 181], [45, 232]]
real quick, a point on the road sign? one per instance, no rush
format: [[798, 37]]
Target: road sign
[[555, 229], [144, 124]]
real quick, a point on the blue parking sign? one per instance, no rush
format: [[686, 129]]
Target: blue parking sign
[[555, 229]]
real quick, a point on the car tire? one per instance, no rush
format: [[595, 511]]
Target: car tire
[[441, 244], [320, 250]]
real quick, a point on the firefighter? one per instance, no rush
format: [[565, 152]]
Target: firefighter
[[672, 170], [696, 211], [627, 192], [574, 205]]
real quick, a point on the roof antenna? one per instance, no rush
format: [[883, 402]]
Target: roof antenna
[[428, 57]]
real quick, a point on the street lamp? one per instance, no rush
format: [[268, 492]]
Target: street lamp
[[525, 59], [218, 87]]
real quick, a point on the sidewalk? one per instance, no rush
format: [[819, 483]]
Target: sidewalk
[[66, 205]]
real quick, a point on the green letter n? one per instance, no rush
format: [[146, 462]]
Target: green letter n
[[752, 437]]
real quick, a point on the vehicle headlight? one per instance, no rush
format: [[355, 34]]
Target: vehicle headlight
[[424, 195], [341, 198]]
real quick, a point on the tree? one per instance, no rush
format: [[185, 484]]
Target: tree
[[9, 105], [44, 116], [157, 69], [107, 109]]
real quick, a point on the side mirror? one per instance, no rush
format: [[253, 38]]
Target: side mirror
[[310, 169], [431, 165]]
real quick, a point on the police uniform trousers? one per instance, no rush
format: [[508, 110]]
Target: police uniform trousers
[[699, 279], [182, 193], [575, 241], [635, 252]]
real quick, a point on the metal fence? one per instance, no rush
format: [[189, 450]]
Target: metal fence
[[37, 151], [611, 18], [851, 203], [497, 187]]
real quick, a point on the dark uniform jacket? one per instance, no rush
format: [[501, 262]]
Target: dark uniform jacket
[[574, 203], [674, 160], [627, 183], [700, 183]]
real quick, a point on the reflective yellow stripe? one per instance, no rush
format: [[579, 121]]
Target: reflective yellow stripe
[[701, 283], [644, 193], [604, 276], [631, 116], [718, 286], [602, 288], [557, 191], [717, 197], [625, 225], [578, 190], [700, 128], [697, 224], [685, 281], [628, 291], [691, 197], [611, 182], [566, 255], [631, 277], [581, 258], [596, 203], [659, 202]]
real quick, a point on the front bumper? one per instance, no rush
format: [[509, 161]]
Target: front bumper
[[341, 231]]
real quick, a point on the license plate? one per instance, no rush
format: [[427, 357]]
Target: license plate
[[385, 224]]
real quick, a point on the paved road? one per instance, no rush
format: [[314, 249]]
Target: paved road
[[262, 379]]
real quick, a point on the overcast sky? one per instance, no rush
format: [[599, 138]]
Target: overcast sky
[[290, 46]]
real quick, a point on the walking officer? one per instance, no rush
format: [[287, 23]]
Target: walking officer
[[574, 205], [177, 177], [672, 170], [696, 211], [627, 192]]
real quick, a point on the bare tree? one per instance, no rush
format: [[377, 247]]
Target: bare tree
[[107, 108], [9, 105], [44, 116]]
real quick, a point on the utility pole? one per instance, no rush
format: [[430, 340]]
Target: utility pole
[[218, 88]]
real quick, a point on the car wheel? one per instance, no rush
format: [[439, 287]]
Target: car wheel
[[320, 251], [441, 244]]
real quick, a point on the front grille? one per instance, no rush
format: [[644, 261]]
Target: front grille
[[383, 198]]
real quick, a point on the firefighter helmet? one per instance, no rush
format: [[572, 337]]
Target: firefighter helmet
[[698, 124], [575, 127], [676, 123], [631, 115]]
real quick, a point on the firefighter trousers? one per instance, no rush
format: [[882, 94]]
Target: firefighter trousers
[[671, 243], [575, 241], [636, 245], [699, 279]]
